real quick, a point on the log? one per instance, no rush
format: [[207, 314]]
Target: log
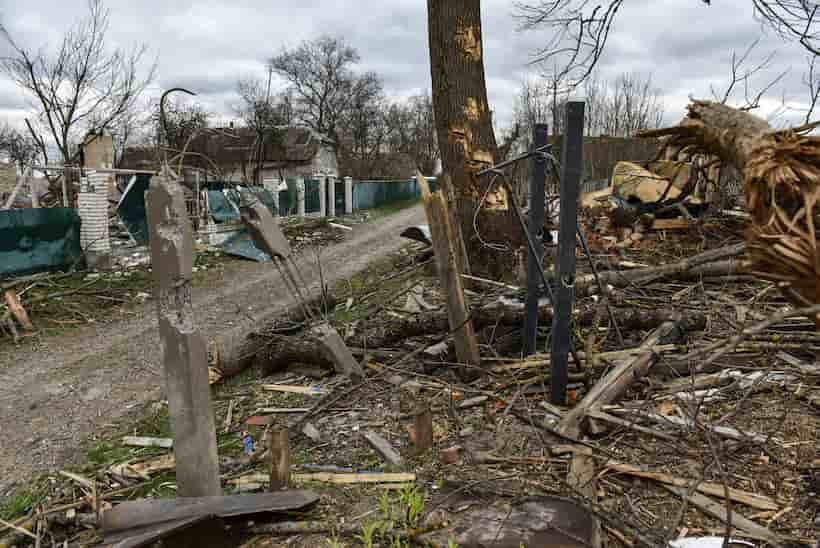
[[613, 385], [644, 275]]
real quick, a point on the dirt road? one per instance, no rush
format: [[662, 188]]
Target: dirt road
[[74, 387]]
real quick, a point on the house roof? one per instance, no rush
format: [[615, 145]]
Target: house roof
[[231, 147]]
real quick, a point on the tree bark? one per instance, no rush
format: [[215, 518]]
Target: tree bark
[[465, 131], [781, 172]]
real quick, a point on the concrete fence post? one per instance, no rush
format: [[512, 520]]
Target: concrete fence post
[[322, 194], [271, 184], [348, 195], [331, 183], [300, 196], [185, 353]]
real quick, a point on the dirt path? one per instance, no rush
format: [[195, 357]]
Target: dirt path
[[74, 387]]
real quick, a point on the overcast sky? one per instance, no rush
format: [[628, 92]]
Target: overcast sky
[[205, 46]]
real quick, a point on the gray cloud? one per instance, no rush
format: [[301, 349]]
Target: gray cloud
[[207, 46]]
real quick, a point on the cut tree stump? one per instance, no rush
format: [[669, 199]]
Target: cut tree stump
[[781, 173], [448, 259]]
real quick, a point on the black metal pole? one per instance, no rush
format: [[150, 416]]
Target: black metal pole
[[572, 154], [536, 227]]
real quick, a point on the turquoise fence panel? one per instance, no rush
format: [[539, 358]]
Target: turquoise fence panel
[[340, 197], [370, 194], [311, 196], [131, 209], [220, 208], [34, 240]]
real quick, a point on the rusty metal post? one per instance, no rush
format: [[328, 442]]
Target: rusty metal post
[[571, 173], [185, 353]]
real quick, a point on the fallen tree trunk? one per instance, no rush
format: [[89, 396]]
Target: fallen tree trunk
[[685, 268], [781, 172], [496, 314]]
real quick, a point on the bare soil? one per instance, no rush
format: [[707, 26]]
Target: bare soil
[[58, 395]]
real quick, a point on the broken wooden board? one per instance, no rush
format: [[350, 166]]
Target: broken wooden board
[[142, 513], [195, 530], [383, 447], [144, 468], [754, 500], [671, 224]]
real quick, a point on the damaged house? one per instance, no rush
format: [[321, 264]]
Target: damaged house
[[236, 155]]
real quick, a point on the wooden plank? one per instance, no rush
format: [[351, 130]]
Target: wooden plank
[[327, 477], [383, 447], [435, 206], [140, 513], [744, 526], [308, 390], [754, 500]]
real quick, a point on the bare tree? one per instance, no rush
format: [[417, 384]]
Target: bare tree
[[84, 84], [579, 29], [183, 120], [411, 130], [17, 146], [321, 78], [811, 79], [364, 132], [743, 73]]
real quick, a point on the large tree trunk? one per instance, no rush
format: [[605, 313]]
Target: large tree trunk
[[465, 131], [781, 172]]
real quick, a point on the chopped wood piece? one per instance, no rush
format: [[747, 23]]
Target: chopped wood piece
[[754, 500], [279, 459], [144, 441], [424, 428], [383, 447], [17, 310]]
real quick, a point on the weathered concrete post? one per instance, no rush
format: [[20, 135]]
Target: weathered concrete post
[[300, 196], [185, 353], [348, 195], [322, 194], [92, 205], [331, 201]]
